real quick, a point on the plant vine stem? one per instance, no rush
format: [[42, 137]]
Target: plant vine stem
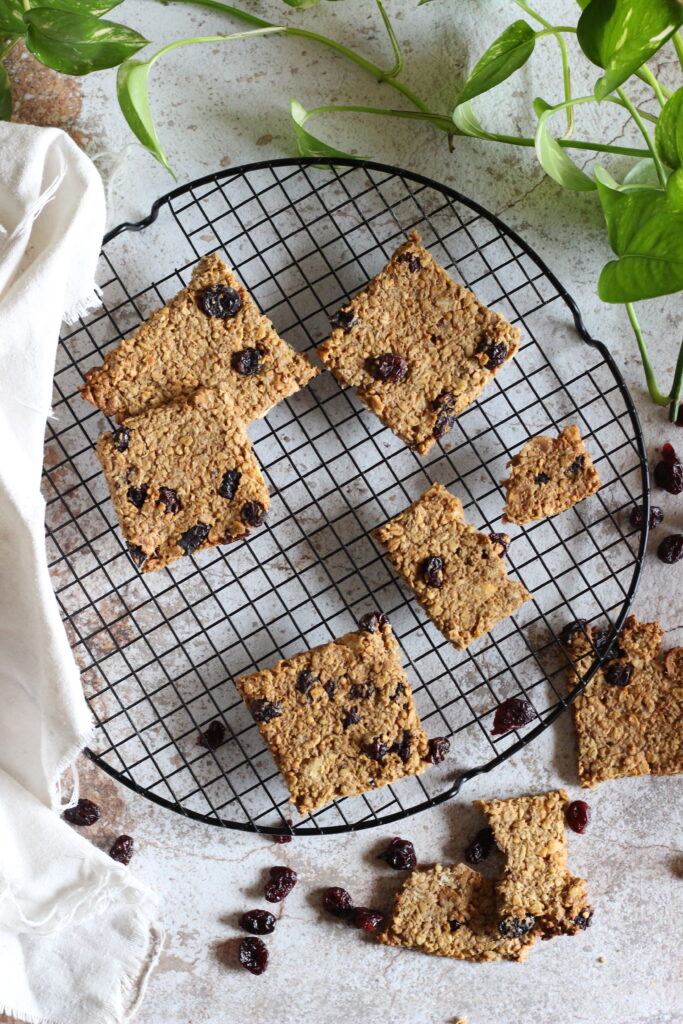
[[372, 69], [678, 44], [655, 394], [395, 45], [660, 92], [676, 387], [566, 77], [442, 121], [646, 135]]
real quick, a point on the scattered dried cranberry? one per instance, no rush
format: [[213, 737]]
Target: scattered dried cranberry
[[253, 955], [350, 717], [282, 881], [618, 674], [122, 849], [258, 922], [137, 495], [138, 556], [578, 815], [389, 367], [541, 478], [669, 472], [230, 483], [578, 626], [404, 746], [220, 301], [337, 901], [247, 362], [438, 748], [372, 621], [365, 918], [344, 319], [253, 513], [671, 548], [84, 813], [265, 710], [375, 750], [213, 736], [495, 351], [500, 540], [432, 571], [286, 838], [305, 680], [120, 438], [169, 498], [512, 714], [637, 517], [480, 847], [515, 927], [576, 466], [193, 538], [445, 407], [411, 259], [400, 855]]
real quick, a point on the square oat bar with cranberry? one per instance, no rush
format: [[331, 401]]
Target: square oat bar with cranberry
[[418, 346], [339, 720]]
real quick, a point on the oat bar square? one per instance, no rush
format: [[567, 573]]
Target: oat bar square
[[457, 574], [549, 475], [418, 346], [182, 478], [339, 720], [211, 334]]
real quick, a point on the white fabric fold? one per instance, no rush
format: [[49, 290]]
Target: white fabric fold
[[62, 901]]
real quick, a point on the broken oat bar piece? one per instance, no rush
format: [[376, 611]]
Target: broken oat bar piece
[[629, 719], [451, 911], [339, 720], [549, 475], [457, 574], [536, 893], [418, 346], [182, 478], [213, 334]]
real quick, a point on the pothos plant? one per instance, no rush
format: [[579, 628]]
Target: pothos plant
[[643, 212]]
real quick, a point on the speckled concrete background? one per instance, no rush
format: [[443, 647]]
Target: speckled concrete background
[[228, 105]]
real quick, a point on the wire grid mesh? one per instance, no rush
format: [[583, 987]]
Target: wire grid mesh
[[159, 652]]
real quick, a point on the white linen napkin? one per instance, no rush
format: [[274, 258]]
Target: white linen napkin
[[77, 938]]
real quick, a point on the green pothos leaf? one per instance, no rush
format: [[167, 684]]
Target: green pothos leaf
[[133, 96], [554, 160], [669, 130], [78, 43], [505, 55], [467, 123], [5, 95], [12, 18], [307, 144]]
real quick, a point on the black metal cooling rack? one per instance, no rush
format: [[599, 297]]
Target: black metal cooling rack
[[159, 652]]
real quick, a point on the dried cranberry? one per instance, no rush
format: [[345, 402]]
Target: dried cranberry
[[337, 901], [437, 750], [584, 918], [344, 319], [404, 746], [213, 736], [411, 259], [230, 483], [193, 538], [388, 367], [120, 438], [305, 680], [454, 925], [480, 847], [578, 626], [512, 714], [637, 517], [500, 540], [362, 691], [286, 838], [515, 927], [604, 645], [445, 407], [122, 849], [432, 571], [576, 466], [578, 814], [84, 813], [220, 301], [669, 472], [137, 495], [372, 621], [247, 362], [253, 513], [376, 750], [330, 688], [258, 922], [169, 498], [541, 478], [282, 881], [138, 556], [265, 710], [350, 717], [671, 548], [400, 855], [495, 351], [618, 674], [253, 955], [365, 918]]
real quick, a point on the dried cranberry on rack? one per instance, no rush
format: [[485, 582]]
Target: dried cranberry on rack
[[437, 749], [122, 849], [220, 301], [669, 472], [500, 540], [137, 495], [404, 746], [576, 466], [480, 847], [578, 815], [444, 404], [578, 626], [372, 621], [350, 717], [253, 513], [411, 259], [282, 881], [337, 901], [120, 438], [671, 549], [265, 710], [253, 955], [432, 571], [84, 813], [617, 674], [495, 351], [213, 736], [344, 319], [305, 681], [388, 367], [138, 556], [376, 750], [513, 713], [169, 499], [230, 483], [286, 838], [541, 478], [362, 691], [637, 517], [400, 855], [247, 362], [257, 922], [193, 538]]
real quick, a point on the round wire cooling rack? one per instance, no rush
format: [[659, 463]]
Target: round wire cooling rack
[[158, 652]]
